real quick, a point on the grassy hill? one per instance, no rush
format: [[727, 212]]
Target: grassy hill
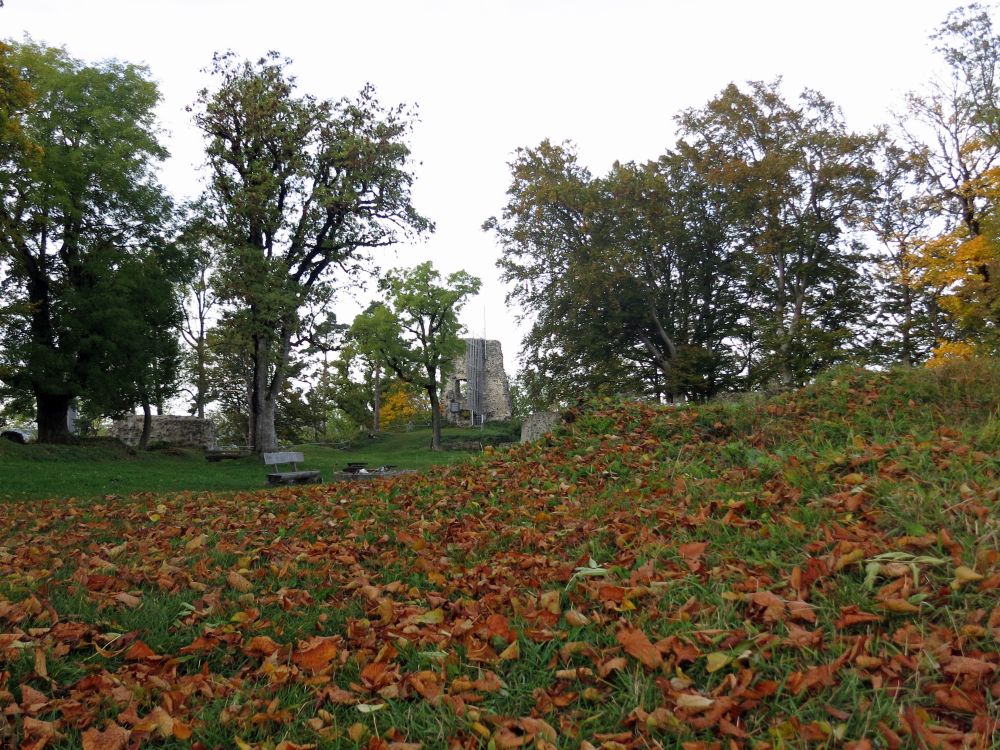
[[819, 570]]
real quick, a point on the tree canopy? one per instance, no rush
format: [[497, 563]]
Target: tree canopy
[[78, 200]]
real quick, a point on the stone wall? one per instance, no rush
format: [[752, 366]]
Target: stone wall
[[180, 431], [537, 424], [496, 406]]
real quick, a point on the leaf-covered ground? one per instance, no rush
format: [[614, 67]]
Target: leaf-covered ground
[[820, 570]]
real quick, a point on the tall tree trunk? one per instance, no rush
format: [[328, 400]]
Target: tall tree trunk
[[258, 396], [266, 388], [52, 411], [432, 391], [267, 436], [377, 399], [909, 356], [147, 425]]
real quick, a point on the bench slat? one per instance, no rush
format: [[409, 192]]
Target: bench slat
[[287, 457]]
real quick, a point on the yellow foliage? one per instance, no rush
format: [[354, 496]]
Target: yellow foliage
[[402, 405], [964, 270], [950, 351]]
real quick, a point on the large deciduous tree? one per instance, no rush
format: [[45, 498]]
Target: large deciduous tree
[[628, 279], [299, 188], [416, 334], [798, 182], [81, 198]]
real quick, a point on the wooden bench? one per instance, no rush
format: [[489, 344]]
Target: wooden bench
[[289, 477]]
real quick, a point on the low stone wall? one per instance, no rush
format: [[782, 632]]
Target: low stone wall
[[539, 423], [174, 430]]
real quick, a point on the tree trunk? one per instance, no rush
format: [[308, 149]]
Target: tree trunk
[[267, 436], [147, 425], [909, 355], [261, 413], [432, 391], [377, 400], [52, 411]]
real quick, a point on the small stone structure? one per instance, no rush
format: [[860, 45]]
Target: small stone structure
[[180, 431], [477, 390], [539, 423]]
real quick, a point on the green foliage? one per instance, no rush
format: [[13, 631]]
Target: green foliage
[[78, 207], [797, 181], [728, 259]]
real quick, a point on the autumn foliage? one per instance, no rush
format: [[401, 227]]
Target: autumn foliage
[[403, 405], [816, 571]]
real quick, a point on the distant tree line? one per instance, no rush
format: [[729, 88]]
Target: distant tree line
[[770, 243]]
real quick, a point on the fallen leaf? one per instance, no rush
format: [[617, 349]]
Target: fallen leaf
[[513, 651], [316, 654], [636, 644], [113, 737], [717, 660], [238, 582], [694, 703]]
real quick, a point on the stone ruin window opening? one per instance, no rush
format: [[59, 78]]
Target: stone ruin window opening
[[461, 388]]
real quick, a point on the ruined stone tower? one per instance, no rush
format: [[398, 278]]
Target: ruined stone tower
[[477, 390]]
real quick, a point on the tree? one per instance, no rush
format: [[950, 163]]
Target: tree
[[16, 97], [797, 181], [416, 333], [300, 188], [85, 191], [403, 404], [629, 279], [911, 319], [137, 348], [199, 303], [953, 129]]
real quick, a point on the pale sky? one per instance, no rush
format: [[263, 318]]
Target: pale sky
[[490, 77]]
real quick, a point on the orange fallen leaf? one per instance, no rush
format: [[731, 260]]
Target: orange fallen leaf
[[113, 737], [261, 644], [316, 654], [959, 665], [900, 605], [139, 651], [638, 645]]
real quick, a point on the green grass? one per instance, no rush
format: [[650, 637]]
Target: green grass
[[101, 468]]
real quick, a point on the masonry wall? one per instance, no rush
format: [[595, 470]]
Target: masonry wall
[[181, 431], [496, 396]]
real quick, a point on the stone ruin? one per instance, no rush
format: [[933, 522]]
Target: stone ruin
[[190, 432], [477, 390], [538, 424]]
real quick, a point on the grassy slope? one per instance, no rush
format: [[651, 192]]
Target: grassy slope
[[817, 571], [106, 468]]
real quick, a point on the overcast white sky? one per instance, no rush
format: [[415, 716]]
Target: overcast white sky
[[492, 76]]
